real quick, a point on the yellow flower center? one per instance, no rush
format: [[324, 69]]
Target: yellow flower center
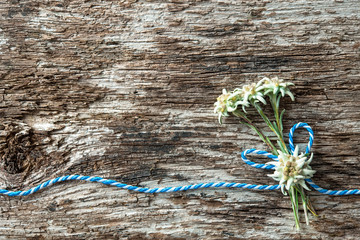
[[222, 98], [250, 88], [275, 81], [289, 164]]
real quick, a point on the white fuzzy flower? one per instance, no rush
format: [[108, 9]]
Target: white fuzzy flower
[[252, 92], [292, 170], [228, 102], [249, 94], [275, 85], [235, 99], [221, 105]]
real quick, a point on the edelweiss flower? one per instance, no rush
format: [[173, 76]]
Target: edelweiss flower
[[228, 102], [252, 93], [275, 85], [221, 106], [235, 99], [291, 170]]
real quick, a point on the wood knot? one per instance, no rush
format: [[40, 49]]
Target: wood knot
[[19, 147]]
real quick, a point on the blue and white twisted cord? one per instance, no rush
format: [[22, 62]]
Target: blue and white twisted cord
[[291, 134], [258, 165], [138, 189], [200, 185]]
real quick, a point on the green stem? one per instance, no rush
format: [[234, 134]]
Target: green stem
[[304, 201], [310, 207], [268, 122], [295, 206], [275, 107], [264, 138]]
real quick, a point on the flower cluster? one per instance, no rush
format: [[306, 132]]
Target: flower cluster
[[292, 170], [250, 94]]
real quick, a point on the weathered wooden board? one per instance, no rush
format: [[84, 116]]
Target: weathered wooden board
[[125, 90]]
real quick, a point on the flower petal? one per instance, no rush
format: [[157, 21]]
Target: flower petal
[[230, 108], [282, 189], [308, 172], [283, 180], [310, 159], [303, 184], [300, 164], [274, 176], [243, 108], [261, 99], [290, 95], [220, 118], [289, 183], [296, 151], [268, 91], [282, 92]]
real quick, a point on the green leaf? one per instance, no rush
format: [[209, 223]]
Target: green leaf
[[254, 128], [278, 101], [281, 120], [275, 127], [281, 146], [273, 150]]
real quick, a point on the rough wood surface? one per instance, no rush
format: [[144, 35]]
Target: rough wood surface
[[125, 90]]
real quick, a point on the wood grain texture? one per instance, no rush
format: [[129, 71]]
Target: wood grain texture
[[125, 90]]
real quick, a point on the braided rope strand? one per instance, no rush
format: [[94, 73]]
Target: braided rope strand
[[258, 165], [138, 189], [332, 192], [311, 137]]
